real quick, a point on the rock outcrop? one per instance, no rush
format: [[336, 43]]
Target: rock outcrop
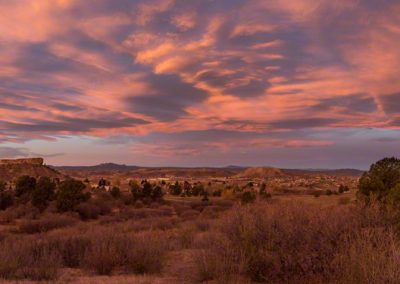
[[12, 169], [30, 161]]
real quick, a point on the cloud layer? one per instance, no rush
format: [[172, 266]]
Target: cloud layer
[[262, 74]]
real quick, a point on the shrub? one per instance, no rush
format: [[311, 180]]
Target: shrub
[[176, 189], [393, 197], [71, 247], [147, 192], [217, 193], [3, 186], [368, 259], [156, 193], [115, 192], [102, 183], [248, 197], [380, 179], [329, 192], [198, 189], [28, 259], [12, 213], [70, 194], [205, 197], [187, 188], [135, 190], [104, 206], [263, 192], [88, 211], [6, 200], [43, 193], [344, 200], [190, 214], [142, 253], [24, 185], [281, 244], [105, 253], [147, 189], [45, 224], [148, 253], [343, 188]]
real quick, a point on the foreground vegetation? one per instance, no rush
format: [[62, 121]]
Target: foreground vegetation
[[194, 240]]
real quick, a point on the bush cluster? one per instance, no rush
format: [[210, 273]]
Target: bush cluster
[[382, 182], [146, 192], [70, 194]]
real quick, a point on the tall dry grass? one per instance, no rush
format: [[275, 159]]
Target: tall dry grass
[[142, 253], [275, 242], [28, 259], [296, 243]]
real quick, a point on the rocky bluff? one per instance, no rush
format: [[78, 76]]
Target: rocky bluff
[[12, 169], [31, 161]]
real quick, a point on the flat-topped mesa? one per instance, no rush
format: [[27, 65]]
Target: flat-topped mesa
[[30, 161]]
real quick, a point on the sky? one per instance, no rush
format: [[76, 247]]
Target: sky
[[293, 84]]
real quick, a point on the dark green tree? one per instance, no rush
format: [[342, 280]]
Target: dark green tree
[[156, 193], [43, 193], [263, 191], [3, 186], [217, 193], [176, 189], [382, 177], [70, 194], [198, 189], [102, 183], [147, 189], [187, 188], [25, 185], [6, 200], [135, 190], [248, 197], [343, 188], [393, 198], [115, 192], [205, 196]]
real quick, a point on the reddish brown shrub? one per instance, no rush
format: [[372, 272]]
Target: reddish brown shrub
[[88, 211], [45, 224], [280, 243], [28, 259], [139, 254], [189, 214], [10, 215]]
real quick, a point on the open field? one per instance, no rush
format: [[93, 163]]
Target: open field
[[186, 241], [256, 226]]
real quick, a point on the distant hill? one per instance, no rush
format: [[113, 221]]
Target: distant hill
[[196, 172], [105, 167], [148, 172], [11, 169], [332, 172], [261, 172]]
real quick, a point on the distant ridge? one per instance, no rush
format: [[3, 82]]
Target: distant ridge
[[104, 167], [231, 170], [334, 172], [261, 172]]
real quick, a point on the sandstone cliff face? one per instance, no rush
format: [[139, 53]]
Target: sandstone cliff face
[[31, 161], [12, 169]]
